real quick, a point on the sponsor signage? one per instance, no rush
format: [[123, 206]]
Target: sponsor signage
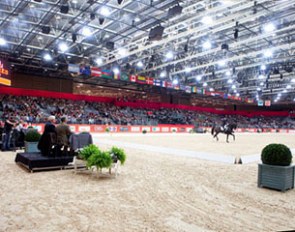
[[5, 75]]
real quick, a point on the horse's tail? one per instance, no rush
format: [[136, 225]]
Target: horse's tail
[[212, 130]]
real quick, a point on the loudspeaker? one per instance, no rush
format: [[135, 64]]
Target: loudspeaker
[[156, 33], [92, 16], [224, 46], [101, 21], [176, 10], [110, 45], [45, 30], [64, 9]]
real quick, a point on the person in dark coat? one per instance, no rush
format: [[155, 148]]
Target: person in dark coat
[[48, 138], [8, 126]]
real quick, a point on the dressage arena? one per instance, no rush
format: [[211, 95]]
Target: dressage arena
[[155, 191]]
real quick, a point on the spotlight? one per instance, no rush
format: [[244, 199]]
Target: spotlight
[[169, 55], [268, 53], [86, 31], [269, 27], [99, 61], [207, 20], [105, 11], [205, 84], [2, 42], [139, 64], [63, 47], [47, 57], [116, 71], [221, 63], [207, 45], [263, 67], [188, 69], [227, 73], [175, 82], [122, 51], [198, 78], [163, 74]]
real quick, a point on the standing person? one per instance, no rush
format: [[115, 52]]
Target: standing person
[[63, 132], [8, 125], [48, 138]]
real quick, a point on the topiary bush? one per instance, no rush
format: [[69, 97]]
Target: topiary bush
[[107, 130], [276, 154], [118, 154], [144, 131], [32, 135], [88, 151], [100, 160]]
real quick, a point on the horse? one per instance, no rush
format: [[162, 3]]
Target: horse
[[229, 130]]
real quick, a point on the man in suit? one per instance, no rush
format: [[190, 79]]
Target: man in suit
[[8, 126], [63, 132]]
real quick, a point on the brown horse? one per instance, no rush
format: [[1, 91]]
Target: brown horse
[[229, 130]]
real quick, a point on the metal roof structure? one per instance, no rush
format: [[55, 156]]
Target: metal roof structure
[[240, 47]]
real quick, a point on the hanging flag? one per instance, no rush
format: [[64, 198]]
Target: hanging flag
[[141, 80], [169, 84], [116, 76], [188, 89], [73, 68], [150, 80], [176, 87], [95, 72], [260, 103], [124, 77], [85, 70], [133, 78], [201, 91], [267, 103], [106, 74], [157, 82], [194, 89], [163, 84]]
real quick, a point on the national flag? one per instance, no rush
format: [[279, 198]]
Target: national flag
[[124, 77], [176, 87], [249, 100], [85, 70], [194, 89], [182, 87], [106, 74], [267, 103], [260, 103], [133, 78], [117, 76], [73, 68], [157, 82], [95, 72], [149, 80], [201, 91], [163, 84], [188, 89], [169, 84], [141, 80]]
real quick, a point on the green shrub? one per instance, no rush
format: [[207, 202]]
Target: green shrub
[[173, 130], [276, 154], [86, 152], [144, 131], [107, 129], [118, 153], [32, 135], [100, 160]]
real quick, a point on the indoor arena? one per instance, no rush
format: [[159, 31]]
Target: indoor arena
[[147, 115]]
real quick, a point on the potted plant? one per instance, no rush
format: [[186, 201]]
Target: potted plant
[[101, 159], [144, 131], [32, 138], [87, 151], [107, 130], [276, 171], [118, 154]]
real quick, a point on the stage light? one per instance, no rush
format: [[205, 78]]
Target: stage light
[[207, 20], [188, 69], [293, 80], [221, 63], [99, 61], [228, 73], [258, 89], [198, 78], [116, 71], [230, 81], [163, 74], [169, 55], [263, 67], [261, 84], [211, 89], [137, 19], [2, 42], [269, 27], [63, 47], [75, 1], [47, 57], [86, 31], [261, 77], [268, 53], [235, 91], [279, 95], [237, 94], [289, 87], [175, 82], [139, 64], [205, 84], [122, 51], [105, 11], [207, 45], [284, 91], [233, 87]]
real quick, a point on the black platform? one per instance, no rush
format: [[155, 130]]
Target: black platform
[[36, 161]]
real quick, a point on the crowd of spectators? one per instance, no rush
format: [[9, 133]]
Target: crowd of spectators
[[37, 109]]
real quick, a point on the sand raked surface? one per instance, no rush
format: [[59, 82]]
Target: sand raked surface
[[154, 192]]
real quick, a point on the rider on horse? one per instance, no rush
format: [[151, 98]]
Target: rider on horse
[[224, 125]]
